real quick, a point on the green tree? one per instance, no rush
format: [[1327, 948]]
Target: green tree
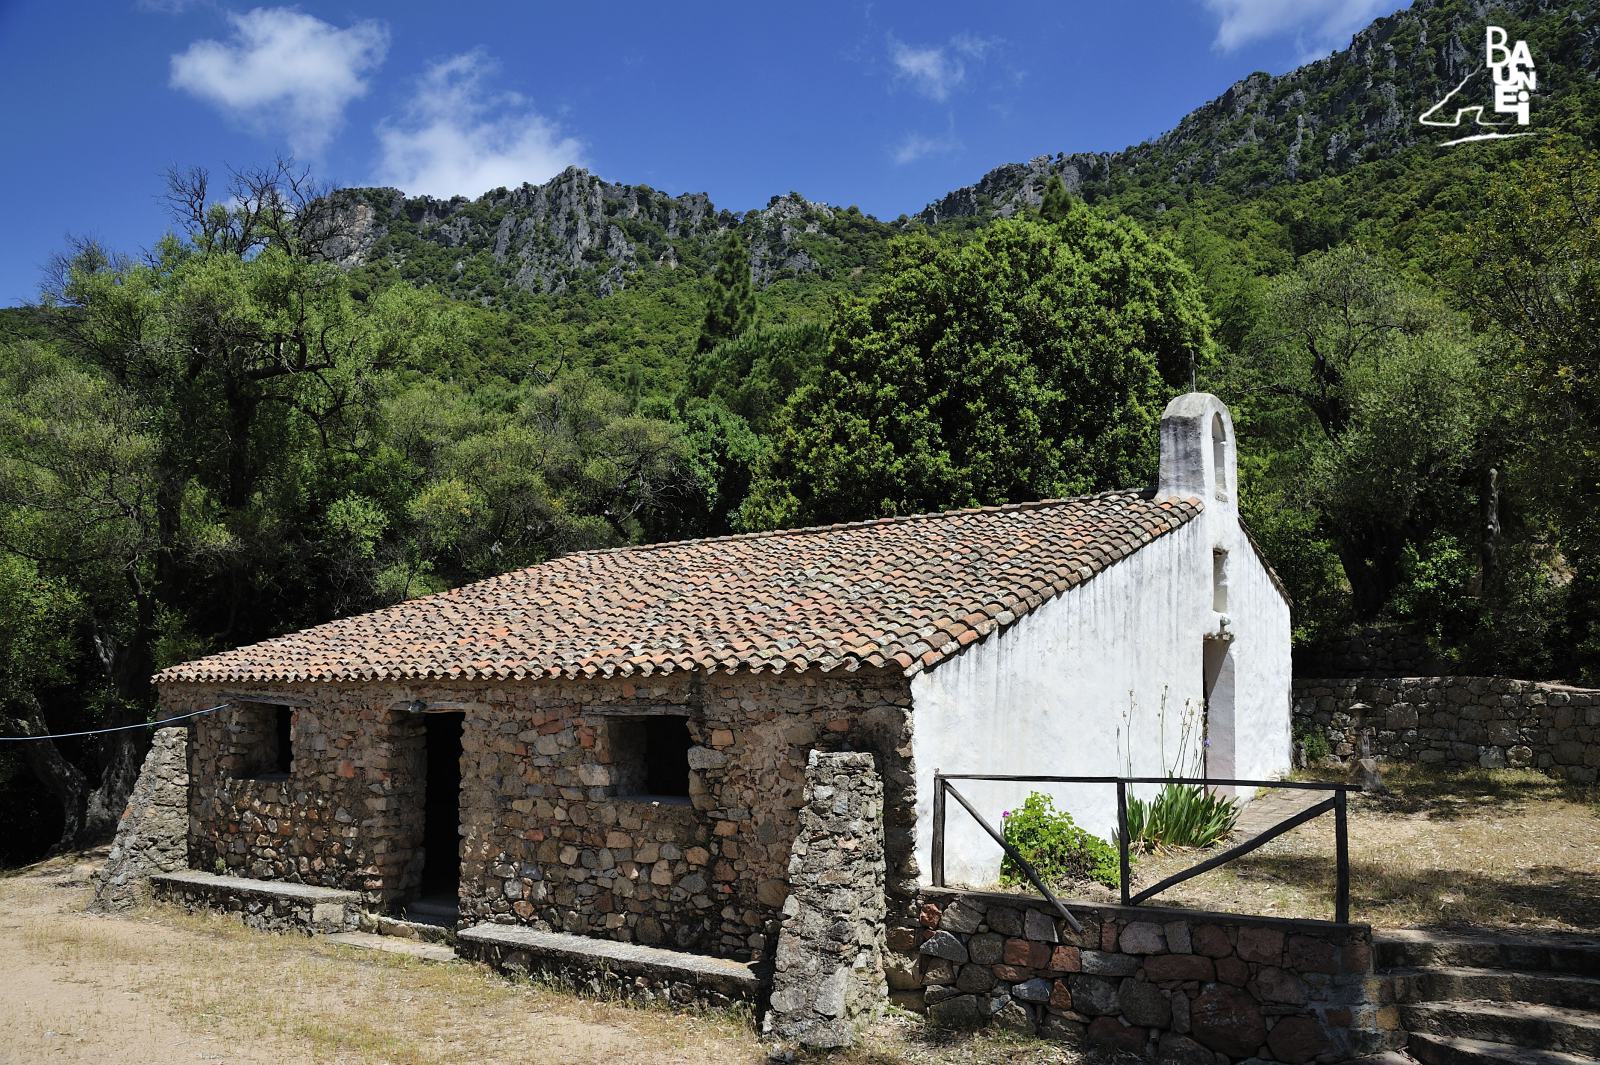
[[1031, 361], [731, 307], [1529, 264], [1367, 391], [1056, 204]]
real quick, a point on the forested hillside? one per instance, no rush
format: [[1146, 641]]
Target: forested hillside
[[303, 403]]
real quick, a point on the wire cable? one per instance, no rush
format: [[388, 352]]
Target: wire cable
[[117, 728]]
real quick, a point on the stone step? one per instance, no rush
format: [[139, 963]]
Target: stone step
[[423, 931], [1449, 1050], [606, 966], [409, 948], [1408, 948], [1527, 1025], [1460, 983]]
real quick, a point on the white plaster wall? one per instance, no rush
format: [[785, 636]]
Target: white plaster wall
[[1051, 695], [1078, 686], [1263, 698]]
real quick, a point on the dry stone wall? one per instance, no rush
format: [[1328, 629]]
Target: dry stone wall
[[547, 840], [1172, 985], [1489, 722], [152, 835], [828, 971]]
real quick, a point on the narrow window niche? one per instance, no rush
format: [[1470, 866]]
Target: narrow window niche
[[262, 740], [1219, 581], [1219, 455], [650, 757]]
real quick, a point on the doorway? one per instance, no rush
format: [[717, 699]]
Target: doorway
[[440, 886], [1221, 742]]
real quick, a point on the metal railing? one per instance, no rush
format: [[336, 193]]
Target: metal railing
[[1335, 803]]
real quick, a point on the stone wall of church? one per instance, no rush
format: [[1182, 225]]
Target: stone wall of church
[[550, 834]]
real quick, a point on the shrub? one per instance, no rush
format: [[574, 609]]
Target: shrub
[[1314, 742], [1058, 849], [1181, 815]]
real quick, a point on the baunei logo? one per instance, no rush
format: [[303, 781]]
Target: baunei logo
[[1514, 81]]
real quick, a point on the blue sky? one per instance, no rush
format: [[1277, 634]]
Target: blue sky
[[883, 105]]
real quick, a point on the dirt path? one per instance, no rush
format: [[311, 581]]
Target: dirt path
[[167, 988], [59, 1006]]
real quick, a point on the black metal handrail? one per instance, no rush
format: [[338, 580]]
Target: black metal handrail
[[1335, 802]]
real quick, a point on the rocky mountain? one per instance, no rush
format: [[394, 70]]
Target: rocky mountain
[[577, 229], [1354, 106]]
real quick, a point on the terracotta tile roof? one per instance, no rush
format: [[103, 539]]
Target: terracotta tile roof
[[897, 592]]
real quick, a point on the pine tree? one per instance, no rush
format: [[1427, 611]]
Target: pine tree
[[1057, 200], [732, 307]]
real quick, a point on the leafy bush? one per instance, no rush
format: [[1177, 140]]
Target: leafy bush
[[1181, 815], [1315, 744], [1057, 848]]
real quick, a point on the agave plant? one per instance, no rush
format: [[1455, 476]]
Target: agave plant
[[1181, 815]]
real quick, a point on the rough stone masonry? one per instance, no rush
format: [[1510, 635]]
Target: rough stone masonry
[[1489, 722], [152, 835], [1170, 985], [828, 975]]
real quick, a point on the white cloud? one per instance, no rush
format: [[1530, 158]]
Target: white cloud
[[1317, 26], [457, 137], [915, 146], [931, 71], [284, 71]]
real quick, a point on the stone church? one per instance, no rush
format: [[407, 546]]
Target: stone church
[[614, 743]]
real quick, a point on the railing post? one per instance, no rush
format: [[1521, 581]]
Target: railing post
[[1122, 836], [1341, 843], [937, 857]]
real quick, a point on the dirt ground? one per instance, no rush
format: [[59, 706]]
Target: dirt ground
[[163, 988], [1502, 848]]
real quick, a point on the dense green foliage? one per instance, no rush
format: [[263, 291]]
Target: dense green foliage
[[1031, 361], [1057, 849]]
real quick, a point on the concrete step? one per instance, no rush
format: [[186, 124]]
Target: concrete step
[[1526, 1025], [409, 948], [607, 966], [1408, 948], [1449, 1050], [1459, 983]]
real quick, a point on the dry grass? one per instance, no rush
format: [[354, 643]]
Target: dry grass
[[1503, 848], [163, 985]]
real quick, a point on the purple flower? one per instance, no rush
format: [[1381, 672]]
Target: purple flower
[[1005, 813]]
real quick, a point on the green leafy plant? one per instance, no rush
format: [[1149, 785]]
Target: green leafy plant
[[1315, 745], [1181, 815], [1059, 851]]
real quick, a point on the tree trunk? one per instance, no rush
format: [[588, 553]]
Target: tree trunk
[[1489, 549], [64, 781], [104, 805]]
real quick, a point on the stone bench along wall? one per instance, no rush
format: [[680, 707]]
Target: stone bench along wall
[[1172, 985], [1488, 722], [263, 906]]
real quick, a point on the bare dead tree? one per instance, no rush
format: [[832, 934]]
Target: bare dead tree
[[278, 205]]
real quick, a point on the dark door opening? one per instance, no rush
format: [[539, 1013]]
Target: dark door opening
[[441, 827]]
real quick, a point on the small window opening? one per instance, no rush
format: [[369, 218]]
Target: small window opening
[[283, 735], [1219, 581], [1219, 455], [650, 756], [263, 740]]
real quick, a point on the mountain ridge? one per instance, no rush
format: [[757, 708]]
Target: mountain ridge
[[1358, 104]]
